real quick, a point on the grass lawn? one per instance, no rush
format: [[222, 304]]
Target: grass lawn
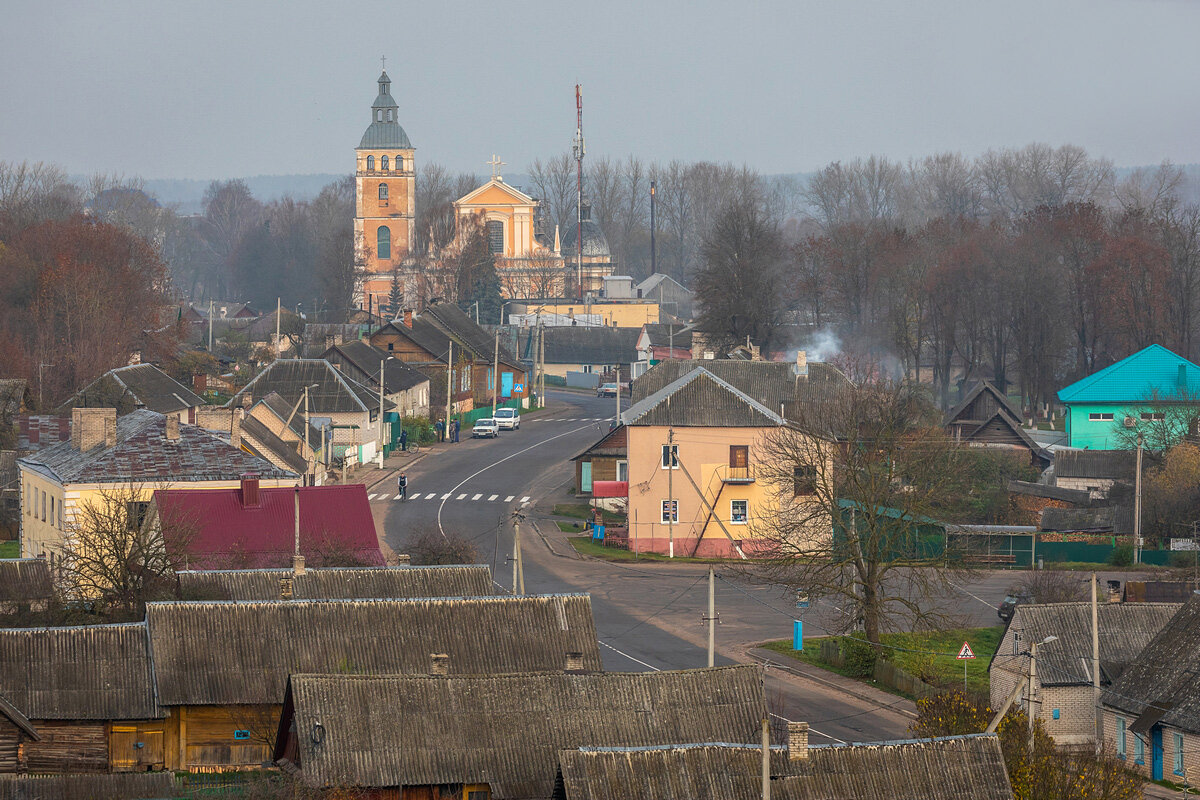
[[568, 527], [929, 655], [584, 545], [10, 549], [584, 511]]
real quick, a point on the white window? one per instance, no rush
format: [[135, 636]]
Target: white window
[[1139, 750], [622, 470], [670, 456], [738, 511], [1102, 417], [1150, 416], [670, 511], [1121, 737], [1177, 739]]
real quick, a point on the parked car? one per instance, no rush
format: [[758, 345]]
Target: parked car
[[607, 390], [486, 428], [507, 419], [1008, 607]]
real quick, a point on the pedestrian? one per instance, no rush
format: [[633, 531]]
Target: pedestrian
[[404, 440], [456, 426], [402, 486], [441, 430]]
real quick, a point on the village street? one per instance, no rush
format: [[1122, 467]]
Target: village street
[[648, 615]]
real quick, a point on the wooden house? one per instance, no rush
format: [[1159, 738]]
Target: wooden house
[[221, 668], [606, 460], [479, 737], [89, 695], [121, 786], [15, 731], [25, 585], [336, 583], [986, 418]]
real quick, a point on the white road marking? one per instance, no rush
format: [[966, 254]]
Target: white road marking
[[370, 497], [445, 497], [509, 499], [493, 497], [461, 496], [400, 497], [524, 499], [476, 497], [384, 496], [431, 495]]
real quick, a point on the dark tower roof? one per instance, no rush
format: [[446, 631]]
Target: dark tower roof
[[382, 133], [594, 242]]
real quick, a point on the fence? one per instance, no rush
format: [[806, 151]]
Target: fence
[[468, 418], [120, 786], [885, 671], [1020, 549]]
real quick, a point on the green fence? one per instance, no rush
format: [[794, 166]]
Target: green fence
[[1018, 550], [468, 419]]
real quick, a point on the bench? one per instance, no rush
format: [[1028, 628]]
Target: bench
[[993, 558]]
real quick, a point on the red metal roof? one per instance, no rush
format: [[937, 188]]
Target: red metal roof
[[216, 531], [610, 488]]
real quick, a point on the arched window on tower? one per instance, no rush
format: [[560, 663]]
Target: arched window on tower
[[383, 243], [389, 118], [399, 164], [379, 115], [383, 163], [383, 192], [370, 163], [495, 237]]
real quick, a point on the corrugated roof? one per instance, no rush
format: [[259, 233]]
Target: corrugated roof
[[950, 768], [216, 530], [583, 344], [613, 443], [337, 583], [1103, 519], [144, 453], [334, 392], [1077, 497], [466, 332], [1125, 629], [366, 358], [38, 431], [1114, 464], [769, 382], [700, 399], [282, 409], [1154, 372], [242, 652], [663, 335], [116, 786], [507, 730], [267, 443], [133, 387], [25, 580], [1164, 673], [95, 672]]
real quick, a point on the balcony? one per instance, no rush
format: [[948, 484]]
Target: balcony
[[738, 475]]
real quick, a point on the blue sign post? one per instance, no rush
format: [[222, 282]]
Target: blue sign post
[[797, 634]]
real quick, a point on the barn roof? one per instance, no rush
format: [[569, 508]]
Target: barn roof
[[506, 730], [217, 653], [337, 583], [25, 580]]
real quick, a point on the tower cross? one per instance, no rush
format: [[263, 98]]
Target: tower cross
[[496, 164], [383, 62]]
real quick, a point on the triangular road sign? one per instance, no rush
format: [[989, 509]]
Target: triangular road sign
[[965, 652]]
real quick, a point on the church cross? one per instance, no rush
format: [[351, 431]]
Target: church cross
[[383, 62], [496, 164]]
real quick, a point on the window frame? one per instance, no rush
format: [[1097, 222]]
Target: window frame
[[1122, 744], [1100, 416], [1139, 750], [1152, 416], [665, 508], [622, 470], [381, 233], [370, 163], [1177, 756], [742, 450], [490, 228], [673, 457], [733, 517], [383, 191], [804, 472], [383, 162]]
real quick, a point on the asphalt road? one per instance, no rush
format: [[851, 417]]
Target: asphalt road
[[648, 615]]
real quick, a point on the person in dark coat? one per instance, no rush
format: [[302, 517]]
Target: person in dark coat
[[441, 430], [454, 428], [402, 486], [403, 440]]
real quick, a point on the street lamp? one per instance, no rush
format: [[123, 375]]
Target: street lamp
[[475, 305], [382, 362], [309, 460]]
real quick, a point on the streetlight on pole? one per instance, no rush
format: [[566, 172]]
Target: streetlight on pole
[[309, 460], [475, 305], [382, 363]]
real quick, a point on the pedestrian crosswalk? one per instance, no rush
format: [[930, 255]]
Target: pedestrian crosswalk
[[477, 497], [570, 419]]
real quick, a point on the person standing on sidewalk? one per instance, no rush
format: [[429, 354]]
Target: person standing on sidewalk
[[404, 440], [455, 429], [441, 430], [402, 486]]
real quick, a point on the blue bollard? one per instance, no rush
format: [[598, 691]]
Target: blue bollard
[[797, 635]]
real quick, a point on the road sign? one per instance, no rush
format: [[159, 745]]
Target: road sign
[[518, 387], [965, 652]]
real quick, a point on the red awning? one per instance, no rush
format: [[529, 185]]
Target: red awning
[[610, 488]]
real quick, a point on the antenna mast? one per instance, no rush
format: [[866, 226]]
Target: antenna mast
[[579, 151]]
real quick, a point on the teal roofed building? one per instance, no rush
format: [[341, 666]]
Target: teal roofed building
[[1141, 391]]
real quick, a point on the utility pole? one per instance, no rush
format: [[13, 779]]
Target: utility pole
[[449, 378], [653, 227], [1029, 712], [1096, 664], [210, 313], [712, 615], [579, 150], [382, 361], [496, 374], [308, 449], [1137, 505], [617, 418], [518, 565], [278, 349], [542, 356], [672, 508]]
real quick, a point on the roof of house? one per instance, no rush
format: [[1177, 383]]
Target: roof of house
[[111, 786], [36, 431], [1161, 681], [283, 410], [267, 446], [14, 715], [452, 319], [583, 344], [334, 392], [144, 453], [215, 529], [700, 399], [949, 768], [771, 383], [980, 403], [25, 579], [1114, 464], [12, 396], [1078, 497], [133, 387], [663, 335], [651, 283], [1125, 629], [338, 583], [1154, 372], [507, 730], [1116, 519], [615, 443], [96, 672], [219, 653], [366, 358]]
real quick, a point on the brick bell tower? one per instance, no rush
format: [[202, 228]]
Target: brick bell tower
[[385, 197]]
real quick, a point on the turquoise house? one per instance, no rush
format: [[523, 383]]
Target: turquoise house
[[1125, 395]]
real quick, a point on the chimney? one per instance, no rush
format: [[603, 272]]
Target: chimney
[[802, 363], [172, 428], [439, 664], [797, 743], [574, 662], [250, 497], [90, 427], [235, 427], [408, 314]]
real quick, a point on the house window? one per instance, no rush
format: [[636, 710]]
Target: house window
[[391, 346], [670, 511], [370, 163], [51, 511], [1177, 740], [1139, 750], [670, 456], [495, 237], [1100, 417], [1150, 416], [1121, 737], [43, 506], [464, 384], [383, 162], [399, 164], [383, 242], [738, 511], [739, 455], [622, 470], [383, 190], [135, 515], [804, 480]]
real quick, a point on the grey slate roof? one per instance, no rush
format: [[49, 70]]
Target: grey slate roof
[[507, 730], [769, 382], [264, 443], [366, 358], [1125, 629], [664, 335], [591, 344], [133, 387], [25, 580], [97, 672], [1163, 676], [453, 320], [1102, 519], [114, 786], [950, 768], [700, 399], [144, 454], [335, 392], [335, 583], [1115, 464], [282, 408], [242, 652]]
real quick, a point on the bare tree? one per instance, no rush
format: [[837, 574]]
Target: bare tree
[[554, 183]]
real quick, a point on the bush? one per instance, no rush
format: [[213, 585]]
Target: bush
[[420, 429], [1183, 560], [1121, 556], [430, 547], [860, 656]]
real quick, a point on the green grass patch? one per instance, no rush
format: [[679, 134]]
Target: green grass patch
[[928, 655], [568, 527], [10, 549], [585, 545], [584, 511]]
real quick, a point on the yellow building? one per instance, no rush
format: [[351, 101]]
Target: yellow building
[[385, 197], [626, 314], [140, 452]]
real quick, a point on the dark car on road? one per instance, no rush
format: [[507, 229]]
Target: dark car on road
[[1014, 598]]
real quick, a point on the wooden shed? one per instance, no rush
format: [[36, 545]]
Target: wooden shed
[[336, 583], [15, 731]]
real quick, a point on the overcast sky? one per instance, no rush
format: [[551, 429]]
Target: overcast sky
[[214, 89]]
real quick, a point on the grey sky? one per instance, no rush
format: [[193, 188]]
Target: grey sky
[[212, 89]]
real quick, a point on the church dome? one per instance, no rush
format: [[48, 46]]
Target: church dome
[[385, 132], [594, 242]]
